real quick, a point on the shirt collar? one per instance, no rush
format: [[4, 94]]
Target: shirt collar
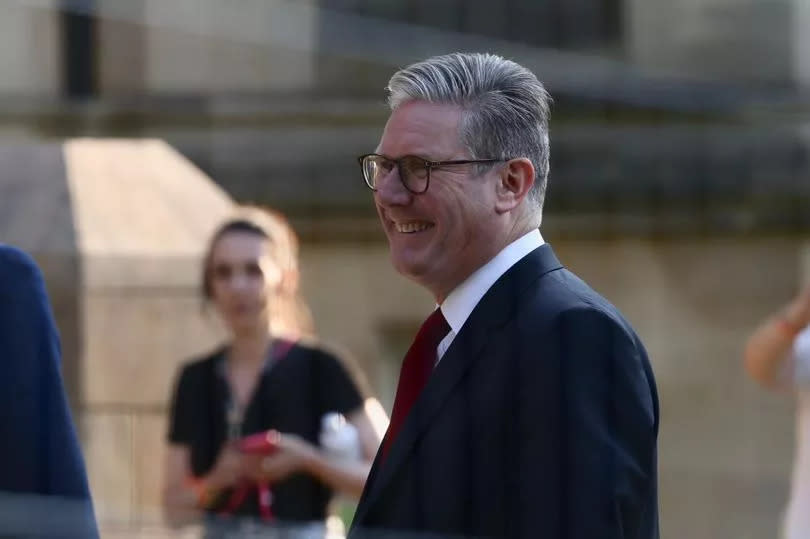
[[462, 300]]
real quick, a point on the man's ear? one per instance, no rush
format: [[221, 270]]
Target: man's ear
[[515, 181]]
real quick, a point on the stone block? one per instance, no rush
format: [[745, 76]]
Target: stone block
[[131, 208], [108, 454], [135, 341], [148, 446]]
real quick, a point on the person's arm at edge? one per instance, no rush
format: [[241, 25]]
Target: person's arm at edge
[[769, 346], [50, 436]]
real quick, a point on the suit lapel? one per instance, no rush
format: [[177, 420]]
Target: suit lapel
[[495, 309], [446, 376]]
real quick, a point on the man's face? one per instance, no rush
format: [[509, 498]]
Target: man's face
[[437, 238]]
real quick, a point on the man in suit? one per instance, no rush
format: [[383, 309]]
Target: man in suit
[[43, 486], [537, 413]]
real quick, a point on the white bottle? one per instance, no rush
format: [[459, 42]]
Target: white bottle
[[339, 438]]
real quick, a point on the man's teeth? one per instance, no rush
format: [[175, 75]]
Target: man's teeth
[[409, 228]]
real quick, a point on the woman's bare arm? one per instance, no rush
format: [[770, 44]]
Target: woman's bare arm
[[770, 345]]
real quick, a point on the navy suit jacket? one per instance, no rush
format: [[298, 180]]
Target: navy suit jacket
[[43, 486], [539, 422]]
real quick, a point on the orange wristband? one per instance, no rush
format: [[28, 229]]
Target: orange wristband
[[201, 491]]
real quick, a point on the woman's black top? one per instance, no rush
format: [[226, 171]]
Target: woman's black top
[[294, 392]]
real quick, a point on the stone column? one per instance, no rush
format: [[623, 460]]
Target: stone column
[[142, 215], [29, 57], [801, 42]]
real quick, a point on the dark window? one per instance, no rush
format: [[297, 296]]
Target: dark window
[[78, 24]]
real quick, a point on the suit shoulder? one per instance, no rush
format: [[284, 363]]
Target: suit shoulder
[[22, 287], [563, 295], [17, 264]]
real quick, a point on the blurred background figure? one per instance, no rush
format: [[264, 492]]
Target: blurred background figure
[[271, 376], [777, 356], [43, 486]]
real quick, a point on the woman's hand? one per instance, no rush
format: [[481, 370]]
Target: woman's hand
[[227, 470], [293, 454], [768, 349], [798, 311]]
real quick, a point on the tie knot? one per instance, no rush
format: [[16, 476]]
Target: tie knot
[[435, 328]]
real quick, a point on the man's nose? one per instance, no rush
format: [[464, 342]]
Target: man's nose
[[391, 191]]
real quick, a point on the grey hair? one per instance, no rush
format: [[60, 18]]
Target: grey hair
[[506, 109]]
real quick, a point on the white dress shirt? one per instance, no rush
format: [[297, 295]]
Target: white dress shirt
[[797, 517], [463, 299]]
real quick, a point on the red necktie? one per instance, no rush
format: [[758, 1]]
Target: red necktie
[[416, 369]]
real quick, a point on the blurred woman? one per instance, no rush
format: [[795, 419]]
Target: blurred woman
[[777, 356], [271, 377]]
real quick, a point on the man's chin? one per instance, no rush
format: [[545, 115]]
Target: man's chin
[[415, 270]]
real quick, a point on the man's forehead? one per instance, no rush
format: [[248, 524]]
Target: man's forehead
[[421, 128]]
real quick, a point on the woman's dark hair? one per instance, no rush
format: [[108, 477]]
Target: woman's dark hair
[[289, 313]]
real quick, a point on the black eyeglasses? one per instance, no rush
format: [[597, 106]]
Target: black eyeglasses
[[414, 172]]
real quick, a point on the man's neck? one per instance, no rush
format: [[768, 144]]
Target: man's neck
[[442, 290]]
